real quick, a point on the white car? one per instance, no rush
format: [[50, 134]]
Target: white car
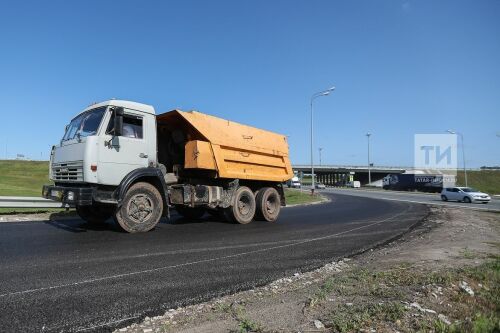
[[464, 194], [320, 186], [294, 184]]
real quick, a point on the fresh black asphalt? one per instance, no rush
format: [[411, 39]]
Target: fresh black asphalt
[[416, 197], [68, 276]]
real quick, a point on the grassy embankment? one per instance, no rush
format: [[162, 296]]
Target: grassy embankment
[[25, 178], [486, 180]]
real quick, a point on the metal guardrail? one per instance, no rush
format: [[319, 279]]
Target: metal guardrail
[[28, 202]]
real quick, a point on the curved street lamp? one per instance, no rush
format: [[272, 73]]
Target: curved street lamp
[[313, 97], [463, 152], [369, 164]]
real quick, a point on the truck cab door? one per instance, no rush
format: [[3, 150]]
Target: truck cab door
[[119, 155]]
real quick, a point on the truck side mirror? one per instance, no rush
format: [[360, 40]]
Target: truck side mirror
[[118, 126]]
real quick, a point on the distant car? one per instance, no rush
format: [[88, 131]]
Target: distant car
[[354, 184], [464, 194], [294, 184], [320, 186]]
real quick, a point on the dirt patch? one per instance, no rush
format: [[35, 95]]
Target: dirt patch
[[443, 276]]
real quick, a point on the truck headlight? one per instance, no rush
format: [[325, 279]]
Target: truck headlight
[[70, 196]]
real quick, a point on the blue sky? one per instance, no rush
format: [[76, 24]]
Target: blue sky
[[400, 68]]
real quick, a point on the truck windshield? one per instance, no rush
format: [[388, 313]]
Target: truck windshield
[[85, 124]]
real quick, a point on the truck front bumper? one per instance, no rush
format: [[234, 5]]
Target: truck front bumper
[[72, 196]]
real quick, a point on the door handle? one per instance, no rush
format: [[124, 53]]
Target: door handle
[[142, 155]]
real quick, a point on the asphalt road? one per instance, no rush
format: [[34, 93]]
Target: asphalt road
[[425, 198], [66, 276]]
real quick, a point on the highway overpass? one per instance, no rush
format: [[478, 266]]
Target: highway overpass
[[340, 174]]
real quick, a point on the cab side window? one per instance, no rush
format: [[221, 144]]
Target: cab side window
[[132, 126]]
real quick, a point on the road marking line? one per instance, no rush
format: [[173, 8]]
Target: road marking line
[[200, 261], [433, 203], [354, 193]]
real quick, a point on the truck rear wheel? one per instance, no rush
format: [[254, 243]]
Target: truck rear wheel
[[94, 214], [141, 208], [243, 208], [190, 213], [268, 204]]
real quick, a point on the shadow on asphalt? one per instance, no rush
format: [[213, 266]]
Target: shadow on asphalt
[[204, 219], [77, 225]]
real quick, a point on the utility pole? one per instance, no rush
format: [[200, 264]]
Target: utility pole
[[369, 164]]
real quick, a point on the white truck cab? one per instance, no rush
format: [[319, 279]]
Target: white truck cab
[[105, 148], [90, 153]]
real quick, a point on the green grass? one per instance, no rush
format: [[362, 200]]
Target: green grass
[[23, 178], [295, 197], [485, 180], [321, 294], [7, 211], [353, 318]]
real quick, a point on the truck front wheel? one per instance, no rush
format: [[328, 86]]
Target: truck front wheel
[[243, 208], [268, 204], [141, 208]]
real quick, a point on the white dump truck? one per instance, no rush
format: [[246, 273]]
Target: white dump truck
[[119, 159]]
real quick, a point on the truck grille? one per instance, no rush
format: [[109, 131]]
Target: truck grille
[[68, 171]]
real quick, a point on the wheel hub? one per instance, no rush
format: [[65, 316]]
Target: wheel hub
[[243, 206], [140, 208]]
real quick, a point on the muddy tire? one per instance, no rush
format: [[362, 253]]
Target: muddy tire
[[94, 214], [141, 208], [268, 203], [444, 198], [189, 213], [243, 208]]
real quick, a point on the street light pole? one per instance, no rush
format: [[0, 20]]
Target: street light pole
[[463, 152], [313, 97], [369, 164]]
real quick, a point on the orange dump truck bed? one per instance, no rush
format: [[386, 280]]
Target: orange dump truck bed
[[230, 149]]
